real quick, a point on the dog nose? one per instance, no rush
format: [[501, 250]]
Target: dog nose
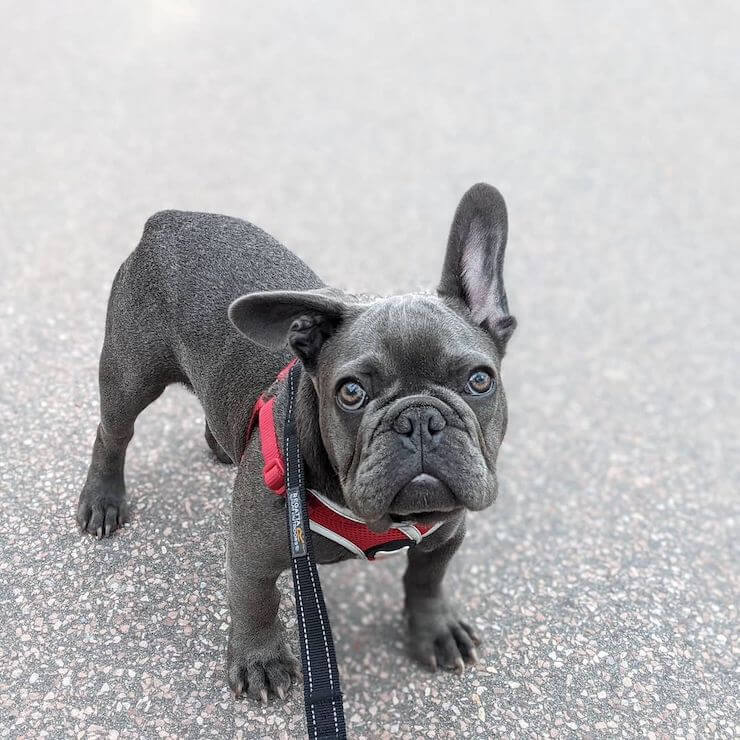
[[425, 422]]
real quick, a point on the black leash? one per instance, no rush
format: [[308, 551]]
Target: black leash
[[321, 690]]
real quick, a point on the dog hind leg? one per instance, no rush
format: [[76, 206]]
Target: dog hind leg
[[135, 367], [102, 506]]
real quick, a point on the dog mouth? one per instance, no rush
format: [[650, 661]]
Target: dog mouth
[[425, 499], [422, 517]]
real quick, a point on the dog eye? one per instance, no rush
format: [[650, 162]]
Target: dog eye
[[351, 396], [479, 383]]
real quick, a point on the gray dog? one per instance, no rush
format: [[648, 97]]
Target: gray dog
[[400, 410]]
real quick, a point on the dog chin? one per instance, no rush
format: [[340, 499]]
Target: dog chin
[[425, 499], [388, 521]]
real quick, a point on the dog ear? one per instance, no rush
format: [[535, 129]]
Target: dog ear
[[301, 319], [473, 270]]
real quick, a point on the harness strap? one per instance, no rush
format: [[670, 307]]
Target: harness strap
[[321, 689], [274, 468], [263, 415]]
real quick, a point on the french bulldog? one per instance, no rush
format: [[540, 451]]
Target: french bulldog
[[400, 409]]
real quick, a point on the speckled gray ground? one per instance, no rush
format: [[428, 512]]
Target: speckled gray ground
[[605, 579]]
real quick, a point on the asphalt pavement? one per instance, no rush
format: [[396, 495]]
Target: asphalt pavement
[[606, 578]]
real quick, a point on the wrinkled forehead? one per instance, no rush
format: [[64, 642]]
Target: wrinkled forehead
[[416, 334]]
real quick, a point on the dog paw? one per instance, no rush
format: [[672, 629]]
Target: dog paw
[[102, 508], [261, 674], [438, 639]]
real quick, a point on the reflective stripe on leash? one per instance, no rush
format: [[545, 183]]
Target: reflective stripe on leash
[[321, 688]]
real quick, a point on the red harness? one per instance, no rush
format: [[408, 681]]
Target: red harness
[[328, 518]]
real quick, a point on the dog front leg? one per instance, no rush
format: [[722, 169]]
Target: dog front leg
[[437, 637], [259, 661]]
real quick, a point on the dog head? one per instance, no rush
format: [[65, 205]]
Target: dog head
[[410, 401]]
